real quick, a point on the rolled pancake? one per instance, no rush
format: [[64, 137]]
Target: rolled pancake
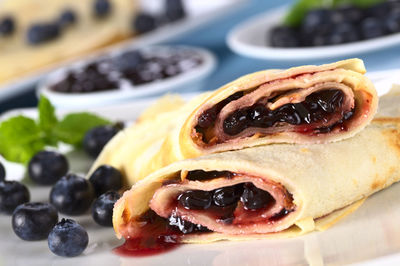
[[311, 185], [179, 140]]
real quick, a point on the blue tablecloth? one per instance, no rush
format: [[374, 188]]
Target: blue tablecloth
[[231, 66]]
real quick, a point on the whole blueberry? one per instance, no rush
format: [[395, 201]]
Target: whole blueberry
[[42, 32], [254, 198], [68, 238], [72, 195], [12, 194], [144, 22], [174, 10], [34, 220], [47, 167], [67, 17], [2, 172], [106, 178], [7, 25], [282, 36], [372, 28], [343, 33], [101, 8], [392, 22], [315, 18], [96, 138], [102, 209], [128, 60]]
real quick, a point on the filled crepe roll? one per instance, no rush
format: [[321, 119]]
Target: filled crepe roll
[[307, 104], [268, 191]]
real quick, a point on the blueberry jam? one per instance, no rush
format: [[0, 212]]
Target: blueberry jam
[[319, 106]]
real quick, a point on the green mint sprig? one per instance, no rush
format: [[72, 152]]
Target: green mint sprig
[[22, 137], [298, 11]]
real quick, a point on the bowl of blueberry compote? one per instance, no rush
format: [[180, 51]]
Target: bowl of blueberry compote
[[321, 29], [127, 75]]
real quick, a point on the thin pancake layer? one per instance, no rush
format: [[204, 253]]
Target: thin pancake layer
[[319, 179]]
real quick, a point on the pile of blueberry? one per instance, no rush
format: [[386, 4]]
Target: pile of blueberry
[[345, 24], [39, 33], [133, 67], [71, 194]]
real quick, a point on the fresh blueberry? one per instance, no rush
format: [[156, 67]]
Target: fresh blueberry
[[379, 10], [102, 209], [372, 28], [72, 195], [43, 32], [128, 60], [96, 138], [47, 167], [102, 8], [144, 22], [68, 238], [34, 220], [343, 33], [350, 14], [106, 178], [2, 173], [393, 22], [315, 18], [67, 17], [282, 36], [7, 26], [174, 10], [12, 194]]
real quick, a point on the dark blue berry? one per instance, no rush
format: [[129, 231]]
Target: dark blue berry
[[12, 194], [43, 32], [2, 173], [102, 8], [102, 209], [282, 36], [174, 10], [68, 238], [254, 198], [392, 22], [34, 220], [343, 33], [106, 178], [7, 26], [96, 138], [226, 196], [67, 17], [128, 60], [47, 167], [372, 28], [316, 18], [144, 22], [186, 227], [72, 195], [195, 199]]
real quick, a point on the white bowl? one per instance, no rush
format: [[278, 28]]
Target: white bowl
[[250, 39], [190, 80]]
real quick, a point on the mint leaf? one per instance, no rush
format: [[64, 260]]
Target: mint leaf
[[73, 127], [20, 139], [47, 120]]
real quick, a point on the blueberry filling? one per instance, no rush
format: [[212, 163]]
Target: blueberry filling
[[186, 227], [201, 175], [318, 107]]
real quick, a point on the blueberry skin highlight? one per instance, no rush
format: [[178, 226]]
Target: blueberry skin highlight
[[72, 195], [12, 194], [96, 138], [47, 167], [34, 220], [68, 238], [102, 209], [106, 178]]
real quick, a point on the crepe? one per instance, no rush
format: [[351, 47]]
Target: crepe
[[312, 186], [18, 58], [180, 140]]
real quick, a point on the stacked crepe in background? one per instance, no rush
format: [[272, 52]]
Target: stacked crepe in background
[[309, 183]]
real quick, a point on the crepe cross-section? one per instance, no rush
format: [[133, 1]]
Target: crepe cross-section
[[308, 104], [268, 191]]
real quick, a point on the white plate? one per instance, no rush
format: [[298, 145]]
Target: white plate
[[191, 80], [198, 14], [250, 39], [370, 235]]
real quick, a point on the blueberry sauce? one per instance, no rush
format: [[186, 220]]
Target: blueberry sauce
[[201, 175]]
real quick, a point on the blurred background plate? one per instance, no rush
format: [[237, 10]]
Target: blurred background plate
[[198, 14], [189, 80], [250, 38]]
